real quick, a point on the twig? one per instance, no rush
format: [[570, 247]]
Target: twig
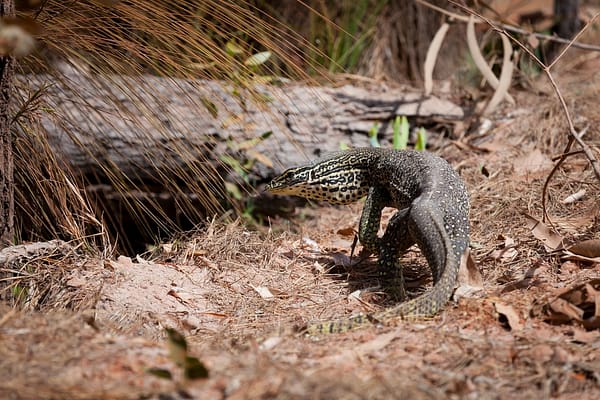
[[512, 28], [573, 134], [571, 153]]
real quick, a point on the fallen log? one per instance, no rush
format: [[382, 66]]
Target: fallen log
[[143, 124]]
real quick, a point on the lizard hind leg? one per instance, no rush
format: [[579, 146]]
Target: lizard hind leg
[[395, 241]]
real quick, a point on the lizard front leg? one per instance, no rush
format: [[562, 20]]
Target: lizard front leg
[[371, 218], [396, 240]]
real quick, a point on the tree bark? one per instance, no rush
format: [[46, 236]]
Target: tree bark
[[566, 24], [7, 205], [168, 130]]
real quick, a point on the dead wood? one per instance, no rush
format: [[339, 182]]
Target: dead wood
[[143, 124]]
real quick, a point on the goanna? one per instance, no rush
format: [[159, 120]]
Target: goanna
[[433, 212]]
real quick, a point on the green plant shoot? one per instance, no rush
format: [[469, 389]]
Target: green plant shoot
[[421, 143], [400, 128], [373, 135]]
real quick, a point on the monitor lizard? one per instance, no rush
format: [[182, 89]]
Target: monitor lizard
[[433, 212]]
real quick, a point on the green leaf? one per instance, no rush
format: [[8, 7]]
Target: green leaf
[[235, 165], [233, 190], [373, 135], [160, 372], [248, 144], [421, 143], [177, 347], [194, 369], [344, 146], [257, 59], [210, 106], [232, 48]]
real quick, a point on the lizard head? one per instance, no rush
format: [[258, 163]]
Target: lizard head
[[324, 180]]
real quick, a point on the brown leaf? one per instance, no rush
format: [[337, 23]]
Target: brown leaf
[[470, 279], [532, 162], [504, 254], [347, 231], [551, 240], [512, 316], [587, 248], [583, 336], [263, 292], [562, 306], [594, 295], [569, 267]]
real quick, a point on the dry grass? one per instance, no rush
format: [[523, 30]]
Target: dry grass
[[112, 40]]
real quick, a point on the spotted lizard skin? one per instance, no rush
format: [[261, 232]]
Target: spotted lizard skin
[[433, 212]]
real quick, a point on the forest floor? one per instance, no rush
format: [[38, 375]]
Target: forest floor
[[530, 329]]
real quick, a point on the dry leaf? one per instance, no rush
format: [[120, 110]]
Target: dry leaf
[[505, 77], [551, 240], [354, 295], [504, 254], [347, 231], [77, 281], [587, 248], [270, 343], [512, 316], [583, 336], [470, 280], [532, 162], [341, 259], [562, 306], [469, 272], [569, 267], [311, 244], [572, 198], [431, 57], [509, 242], [263, 292]]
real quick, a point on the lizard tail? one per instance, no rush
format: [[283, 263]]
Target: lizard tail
[[442, 250]]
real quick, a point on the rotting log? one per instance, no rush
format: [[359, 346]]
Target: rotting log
[[139, 125]]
